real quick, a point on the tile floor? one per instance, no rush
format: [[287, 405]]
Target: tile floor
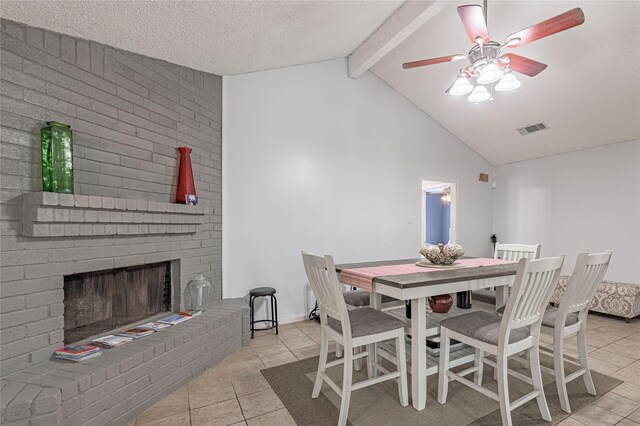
[[235, 392]]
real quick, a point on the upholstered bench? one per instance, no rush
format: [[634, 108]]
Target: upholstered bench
[[613, 298]]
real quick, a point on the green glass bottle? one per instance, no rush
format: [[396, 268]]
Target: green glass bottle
[[57, 157]]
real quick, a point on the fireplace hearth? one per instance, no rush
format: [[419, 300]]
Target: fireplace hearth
[[95, 302]]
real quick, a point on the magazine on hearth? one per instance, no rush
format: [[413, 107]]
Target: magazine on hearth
[[111, 341], [155, 326], [174, 319], [135, 333], [191, 312], [77, 353]]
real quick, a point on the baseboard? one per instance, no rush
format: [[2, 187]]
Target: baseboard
[[295, 318]]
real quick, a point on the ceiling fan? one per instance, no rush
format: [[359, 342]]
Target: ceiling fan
[[488, 64]]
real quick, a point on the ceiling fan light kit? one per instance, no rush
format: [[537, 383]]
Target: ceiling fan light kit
[[489, 67], [461, 86], [490, 74], [508, 82], [479, 94]]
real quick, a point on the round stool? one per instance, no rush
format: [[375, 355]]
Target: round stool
[[264, 292]]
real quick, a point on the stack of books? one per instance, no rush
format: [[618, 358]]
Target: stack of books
[[155, 326], [77, 353], [135, 333], [191, 312], [174, 319], [111, 341]]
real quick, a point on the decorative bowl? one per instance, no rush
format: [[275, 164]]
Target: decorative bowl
[[442, 254]]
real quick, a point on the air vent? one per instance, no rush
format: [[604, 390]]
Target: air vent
[[533, 128]]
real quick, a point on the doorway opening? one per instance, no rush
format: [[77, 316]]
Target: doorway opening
[[438, 212]]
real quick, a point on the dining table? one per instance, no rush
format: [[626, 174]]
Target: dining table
[[408, 280]]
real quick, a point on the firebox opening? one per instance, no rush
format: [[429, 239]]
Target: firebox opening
[[95, 302]]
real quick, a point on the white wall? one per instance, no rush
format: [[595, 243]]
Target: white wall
[[580, 201], [315, 161]]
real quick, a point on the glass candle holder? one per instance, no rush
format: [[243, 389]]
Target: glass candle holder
[[201, 286]]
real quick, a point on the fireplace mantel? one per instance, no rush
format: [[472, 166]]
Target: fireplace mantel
[[49, 214]]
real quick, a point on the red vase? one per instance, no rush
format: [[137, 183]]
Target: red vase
[[441, 304], [185, 176]]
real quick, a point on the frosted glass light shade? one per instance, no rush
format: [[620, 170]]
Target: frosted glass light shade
[[479, 94], [461, 86], [490, 73], [508, 82]]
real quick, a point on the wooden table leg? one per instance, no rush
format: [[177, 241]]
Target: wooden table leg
[[375, 300], [419, 353], [502, 294]]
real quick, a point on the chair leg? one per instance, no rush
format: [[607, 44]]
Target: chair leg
[[503, 388], [273, 316], [357, 364], [536, 376], [275, 302], [322, 364], [558, 368], [443, 367], [584, 361], [346, 385], [371, 358], [338, 350], [251, 299], [403, 389], [479, 364]]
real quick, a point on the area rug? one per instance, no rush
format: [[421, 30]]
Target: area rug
[[379, 404]]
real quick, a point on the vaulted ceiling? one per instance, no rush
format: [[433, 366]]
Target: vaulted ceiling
[[588, 96]]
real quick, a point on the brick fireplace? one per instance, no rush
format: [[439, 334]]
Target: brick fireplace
[[97, 302], [129, 114]]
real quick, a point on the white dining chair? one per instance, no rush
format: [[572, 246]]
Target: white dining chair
[[513, 252], [351, 328], [516, 331], [570, 318], [361, 299]]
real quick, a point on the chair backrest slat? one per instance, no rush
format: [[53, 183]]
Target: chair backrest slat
[[516, 252], [323, 279], [532, 289], [587, 276]]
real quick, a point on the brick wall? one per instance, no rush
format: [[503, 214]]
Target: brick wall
[[128, 113]]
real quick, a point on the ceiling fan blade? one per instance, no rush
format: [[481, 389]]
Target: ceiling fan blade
[[423, 62], [524, 65], [473, 21], [570, 19]]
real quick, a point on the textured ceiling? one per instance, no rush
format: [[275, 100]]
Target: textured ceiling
[[223, 38], [588, 96]]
